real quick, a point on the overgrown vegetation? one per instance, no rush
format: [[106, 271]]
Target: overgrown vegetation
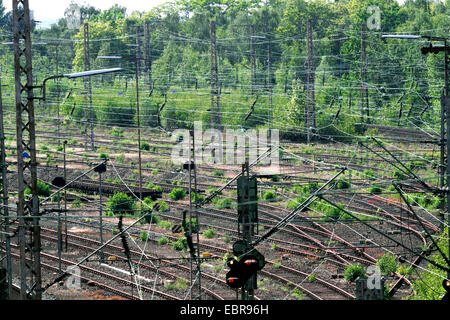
[[428, 285], [177, 194], [353, 272], [120, 204]]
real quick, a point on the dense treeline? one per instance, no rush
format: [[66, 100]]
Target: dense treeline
[[403, 86]]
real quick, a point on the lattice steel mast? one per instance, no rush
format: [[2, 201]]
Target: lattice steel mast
[[27, 208]]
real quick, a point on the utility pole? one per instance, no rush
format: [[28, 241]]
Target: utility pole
[[138, 61], [215, 96], [310, 109], [4, 211], [30, 263], [192, 168], [269, 82], [445, 104], [252, 60], [148, 56], [65, 195], [57, 95], [88, 90], [364, 86]]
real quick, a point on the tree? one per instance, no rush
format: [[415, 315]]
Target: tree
[[5, 17]]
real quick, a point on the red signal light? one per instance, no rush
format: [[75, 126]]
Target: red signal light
[[233, 279], [250, 262]]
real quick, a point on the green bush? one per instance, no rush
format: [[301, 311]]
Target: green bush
[[177, 194], [180, 244], [312, 277], [224, 203], [143, 236], [387, 264], [375, 190], [43, 189], [103, 156], [353, 272], [194, 224], [218, 173], [209, 234], [428, 283], [369, 174], [197, 197], [331, 213], [147, 208], [343, 184], [120, 204], [162, 241], [76, 203], [145, 146], [116, 132], [165, 224], [163, 206], [269, 195]]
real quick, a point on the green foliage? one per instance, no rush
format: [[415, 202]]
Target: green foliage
[[147, 208], [396, 174], [330, 213], [144, 235], [193, 223], [179, 284], [120, 204], [269, 195], [353, 272], [177, 194], [103, 156], [162, 241], [197, 197], [180, 244], [218, 173], [117, 132], [224, 203], [342, 184], [369, 174], [165, 224], [43, 189], [210, 233], [76, 203], [387, 264], [163, 206], [145, 146], [298, 294], [428, 285], [375, 190]]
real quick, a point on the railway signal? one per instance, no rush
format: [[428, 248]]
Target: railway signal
[[242, 270], [233, 276]]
